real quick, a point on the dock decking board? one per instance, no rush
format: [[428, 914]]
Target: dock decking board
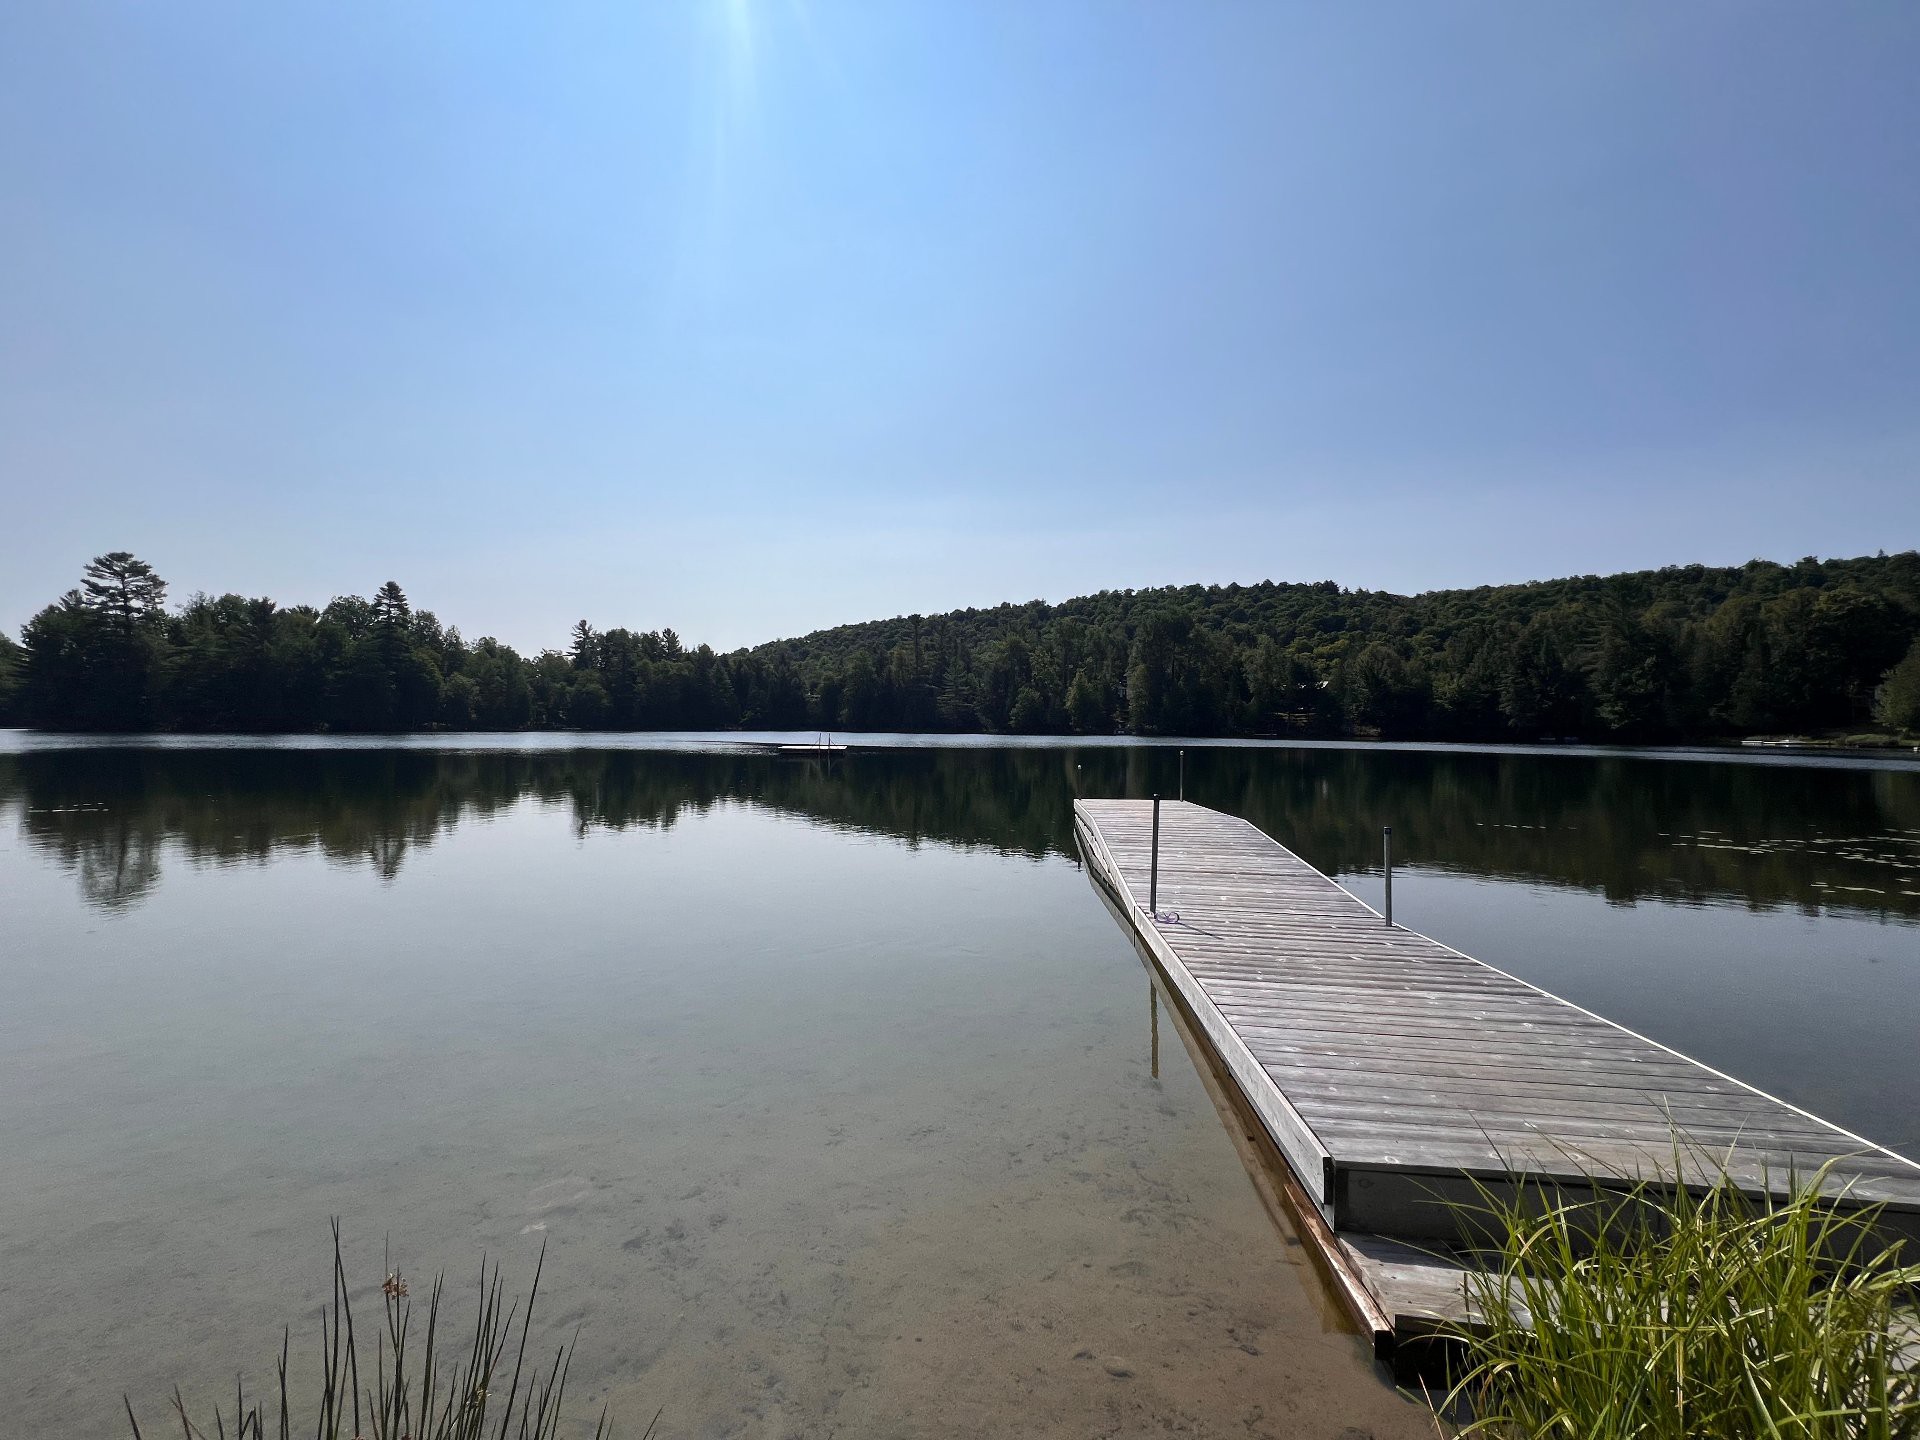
[[1387, 1066]]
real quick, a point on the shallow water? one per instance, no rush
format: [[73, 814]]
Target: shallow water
[[829, 1089]]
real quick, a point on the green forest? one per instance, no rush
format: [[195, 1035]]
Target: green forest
[[1818, 647]]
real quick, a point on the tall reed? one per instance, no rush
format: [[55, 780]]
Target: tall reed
[[1669, 1314], [418, 1389]]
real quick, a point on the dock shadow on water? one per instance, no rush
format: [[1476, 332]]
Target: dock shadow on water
[[829, 1089]]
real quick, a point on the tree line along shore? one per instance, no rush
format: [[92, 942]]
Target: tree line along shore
[[1818, 647]]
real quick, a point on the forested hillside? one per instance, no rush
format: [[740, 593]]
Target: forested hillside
[[1684, 653]]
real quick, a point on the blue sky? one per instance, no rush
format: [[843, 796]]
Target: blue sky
[[751, 316]]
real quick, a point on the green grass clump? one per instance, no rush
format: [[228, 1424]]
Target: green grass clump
[[420, 1388], [1675, 1315]]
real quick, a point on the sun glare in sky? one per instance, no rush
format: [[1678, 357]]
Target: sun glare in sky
[[749, 316]]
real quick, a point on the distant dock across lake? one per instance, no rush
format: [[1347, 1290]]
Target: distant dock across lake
[[1395, 1075]]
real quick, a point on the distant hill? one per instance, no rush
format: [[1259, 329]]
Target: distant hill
[[1685, 653]]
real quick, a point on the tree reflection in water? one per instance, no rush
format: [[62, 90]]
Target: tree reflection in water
[[1629, 827]]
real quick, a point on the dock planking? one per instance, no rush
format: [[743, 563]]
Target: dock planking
[[1395, 1074]]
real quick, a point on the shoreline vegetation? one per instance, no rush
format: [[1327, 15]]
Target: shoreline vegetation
[[1821, 652], [418, 1384], [1660, 1312]]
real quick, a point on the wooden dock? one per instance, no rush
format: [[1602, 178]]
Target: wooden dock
[[1394, 1074]]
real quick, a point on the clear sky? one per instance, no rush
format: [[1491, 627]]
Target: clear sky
[[751, 316]]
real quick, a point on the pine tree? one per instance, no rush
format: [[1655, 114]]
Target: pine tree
[[583, 646], [390, 606], [123, 589]]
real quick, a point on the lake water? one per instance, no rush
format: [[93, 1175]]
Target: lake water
[[829, 1088]]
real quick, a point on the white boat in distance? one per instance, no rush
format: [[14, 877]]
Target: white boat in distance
[[822, 746]]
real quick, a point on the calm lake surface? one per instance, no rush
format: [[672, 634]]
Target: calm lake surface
[[829, 1088]]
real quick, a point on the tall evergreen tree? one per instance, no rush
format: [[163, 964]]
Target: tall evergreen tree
[[390, 607], [123, 590]]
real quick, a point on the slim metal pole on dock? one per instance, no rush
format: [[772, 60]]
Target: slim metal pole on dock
[[1386, 846], [1153, 864], [1183, 774]]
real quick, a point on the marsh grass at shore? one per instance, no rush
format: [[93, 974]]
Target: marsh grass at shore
[[421, 1386], [1667, 1315]]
